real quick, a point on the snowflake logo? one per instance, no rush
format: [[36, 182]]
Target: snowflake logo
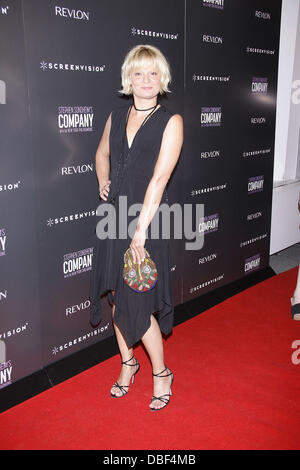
[[55, 350], [50, 222], [43, 65], [194, 77], [133, 30]]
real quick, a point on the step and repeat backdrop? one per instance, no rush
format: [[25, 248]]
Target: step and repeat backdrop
[[59, 79], [230, 110]]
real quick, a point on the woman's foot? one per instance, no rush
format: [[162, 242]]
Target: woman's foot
[[162, 383], [294, 301], [121, 387]]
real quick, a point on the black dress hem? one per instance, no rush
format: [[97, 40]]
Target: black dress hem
[[160, 313]]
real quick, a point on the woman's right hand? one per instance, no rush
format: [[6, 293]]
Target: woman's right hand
[[104, 190]]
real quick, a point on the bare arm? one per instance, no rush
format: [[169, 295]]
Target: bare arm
[[168, 156], [102, 164]]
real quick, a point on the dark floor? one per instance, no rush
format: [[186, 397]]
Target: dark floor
[[285, 259]]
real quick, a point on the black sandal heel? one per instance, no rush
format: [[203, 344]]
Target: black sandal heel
[[163, 398], [122, 388]]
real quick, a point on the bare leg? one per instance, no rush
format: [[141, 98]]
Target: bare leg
[[296, 296], [153, 343], [126, 353]]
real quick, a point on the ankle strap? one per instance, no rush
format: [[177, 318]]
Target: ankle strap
[[158, 375], [125, 362]]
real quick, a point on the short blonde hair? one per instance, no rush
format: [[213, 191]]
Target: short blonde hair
[[141, 55]]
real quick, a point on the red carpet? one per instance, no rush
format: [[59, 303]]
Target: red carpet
[[235, 387]]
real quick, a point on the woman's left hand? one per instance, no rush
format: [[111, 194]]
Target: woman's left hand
[[137, 246]]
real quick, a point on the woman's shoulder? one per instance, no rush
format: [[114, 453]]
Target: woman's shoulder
[[170, 113], [173, 117], [120, 109], [117, 113]]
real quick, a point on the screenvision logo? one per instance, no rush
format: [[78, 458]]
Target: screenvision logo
[[2, 92], [71, 67], [153, 34], [210, 78]]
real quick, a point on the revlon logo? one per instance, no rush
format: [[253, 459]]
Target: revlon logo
[[75, 14]]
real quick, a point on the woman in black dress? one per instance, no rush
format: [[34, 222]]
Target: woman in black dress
[[136, 156]]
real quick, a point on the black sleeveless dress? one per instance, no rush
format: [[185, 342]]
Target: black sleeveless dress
[[133, 309]]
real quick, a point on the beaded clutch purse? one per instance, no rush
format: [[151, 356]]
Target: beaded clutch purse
[[139, 277]]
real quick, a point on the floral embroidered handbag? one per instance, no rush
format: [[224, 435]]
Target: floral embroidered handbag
[[139, 277]]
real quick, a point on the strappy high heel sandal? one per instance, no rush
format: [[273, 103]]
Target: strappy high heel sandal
[[122, 388], [163, 398]]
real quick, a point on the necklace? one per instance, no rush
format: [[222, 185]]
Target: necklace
[[148, 109]]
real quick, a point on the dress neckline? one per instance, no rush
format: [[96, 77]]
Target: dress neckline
[[142, 125]]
